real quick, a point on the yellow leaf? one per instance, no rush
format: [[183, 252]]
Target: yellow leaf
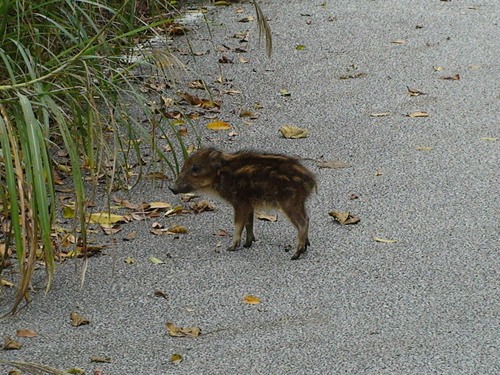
[[129, 260], [68, 211], [384, 240], [294, 132], [438, 68], [218, 125], [251, 300], [489, 139], [176, 358], [177, 229], [105, 218]]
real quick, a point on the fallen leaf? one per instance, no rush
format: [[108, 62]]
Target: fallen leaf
[[232, 92], [344, 218], [197, 84], [225, 60], [97, 359], [247, 113], [246, 19], [129, 260], [243, 60], [398, 41], [159, 293], [353, 196], [176, 358], [293, 132], [251, 300], [490, 139], [26, 333], [284, 92], [158, 206], [300, 47], [417, 114], [4, 282], [156, 176], [110, 229], [333, 164], [415, 92], [106, 218], [222, 233], [177, 229], [353, 76], [202, 206], [423, 148], [438, 68], [267, 217], [456, 77], [77, 320], [384, 240], [155, 260], [174, 211], [218, 125], [378, 172], [10, 344], [175, 331], [380, 114], [131, 236]]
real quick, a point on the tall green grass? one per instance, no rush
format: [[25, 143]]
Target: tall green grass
[[66, 85]]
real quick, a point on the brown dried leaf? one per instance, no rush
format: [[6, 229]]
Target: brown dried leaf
[[225, 60], [456, 77], [202, 206], [175, 331], [353, 76], [423, 148], [26, 333], [10, 344], [415, 92], [77, 320], [159, 293], [131, 236], [344, 218], [197, 84], [110, 229]]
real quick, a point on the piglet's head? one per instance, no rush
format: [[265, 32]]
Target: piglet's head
[[199, 171]]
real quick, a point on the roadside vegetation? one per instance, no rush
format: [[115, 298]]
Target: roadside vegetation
[[71, 110]]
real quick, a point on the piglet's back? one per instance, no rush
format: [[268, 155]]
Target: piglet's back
[[263, 178]]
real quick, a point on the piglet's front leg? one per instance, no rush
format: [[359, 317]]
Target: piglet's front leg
[[241, 213]]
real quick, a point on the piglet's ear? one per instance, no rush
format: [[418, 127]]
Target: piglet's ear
[[215, 157]]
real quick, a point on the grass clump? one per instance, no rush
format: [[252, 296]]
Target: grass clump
[[67, 87]]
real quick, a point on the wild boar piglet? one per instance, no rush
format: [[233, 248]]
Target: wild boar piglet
[[248, 180]]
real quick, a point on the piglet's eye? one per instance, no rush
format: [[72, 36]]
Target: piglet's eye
[[195, 168]]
